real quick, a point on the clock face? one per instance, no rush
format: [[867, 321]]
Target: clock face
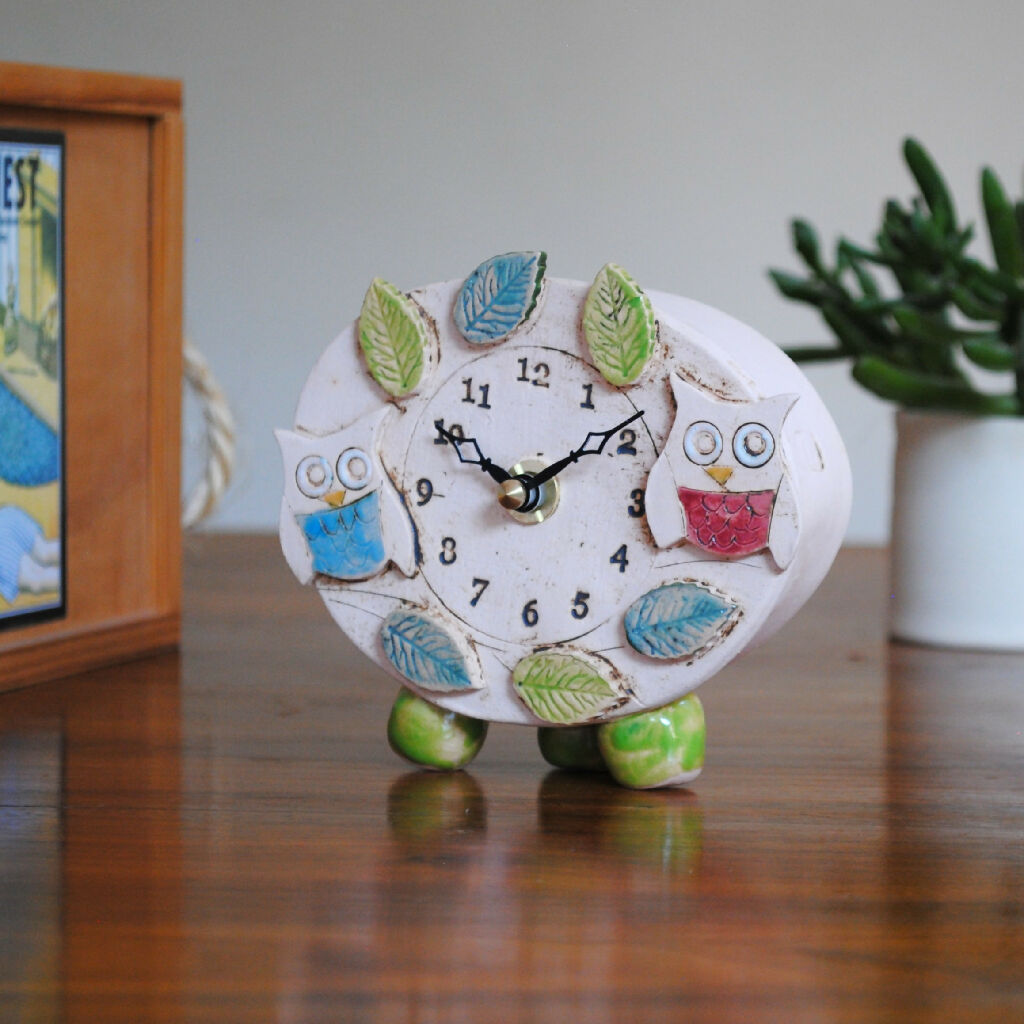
[[530, 404], [541, 501]]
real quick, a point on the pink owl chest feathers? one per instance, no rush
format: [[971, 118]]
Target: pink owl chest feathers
[[727, 523]]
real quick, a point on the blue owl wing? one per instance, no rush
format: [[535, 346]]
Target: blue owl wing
[[397, 527], [661, 502]]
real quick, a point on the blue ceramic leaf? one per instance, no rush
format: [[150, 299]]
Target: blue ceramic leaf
[[498, 296], [422, 649], [679, 620]]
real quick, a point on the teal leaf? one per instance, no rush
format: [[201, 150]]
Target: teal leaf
[[564, 689], [499, 296], [423, 650], [393, 337], [679, 620], [619, 325]]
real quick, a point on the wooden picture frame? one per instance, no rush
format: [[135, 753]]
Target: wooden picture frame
[[121, 340]]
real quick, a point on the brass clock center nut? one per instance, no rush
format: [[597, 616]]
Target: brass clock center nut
[[512, 495], [538, 504]]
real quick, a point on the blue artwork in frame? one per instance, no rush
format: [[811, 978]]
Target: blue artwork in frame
[[33, 576]]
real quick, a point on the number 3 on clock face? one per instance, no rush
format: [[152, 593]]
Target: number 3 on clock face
[[539, 582]]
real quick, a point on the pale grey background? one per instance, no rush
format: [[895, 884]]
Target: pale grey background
[[332, 142]]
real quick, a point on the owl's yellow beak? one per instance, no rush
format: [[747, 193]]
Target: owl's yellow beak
[[335, 499], [720, 474]]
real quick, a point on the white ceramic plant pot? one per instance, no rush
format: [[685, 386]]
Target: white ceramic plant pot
[[958, 531]]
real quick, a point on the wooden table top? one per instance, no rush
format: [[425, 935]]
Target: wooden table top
[[224, 835]]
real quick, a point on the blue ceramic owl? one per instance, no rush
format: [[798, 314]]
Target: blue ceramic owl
[[339, 498]]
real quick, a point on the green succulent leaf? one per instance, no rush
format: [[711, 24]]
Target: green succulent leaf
[[991, 353], [563, 689], [393, 337], [805, 241], [990, 284], [798, 288], [1002, 225], [972, 307], [868, 285], [858, 252], [851, 331], [905, 342], [619, 325], [917, 390], [931, 328], [815, 354], [931, 183]]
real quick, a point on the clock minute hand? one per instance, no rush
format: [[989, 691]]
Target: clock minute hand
[[584, 449], [495, 472]]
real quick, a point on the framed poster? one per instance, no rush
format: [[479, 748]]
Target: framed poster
[[90, 368], [32, 496]]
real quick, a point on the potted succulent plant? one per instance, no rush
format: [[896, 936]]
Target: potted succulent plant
[[940, 332]]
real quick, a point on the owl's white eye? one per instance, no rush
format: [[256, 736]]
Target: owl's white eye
[[702, 442], [753, 445], [354, 469], [314, 476]]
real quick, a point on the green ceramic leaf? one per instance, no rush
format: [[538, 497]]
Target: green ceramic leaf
[[393, 337], [563, 689], [619, 325]]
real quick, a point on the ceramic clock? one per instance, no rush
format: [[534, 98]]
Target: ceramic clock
[[558, 504]]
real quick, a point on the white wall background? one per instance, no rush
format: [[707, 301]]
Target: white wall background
[[329, 142]]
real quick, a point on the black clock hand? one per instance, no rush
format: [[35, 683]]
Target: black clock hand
[[584, 449], [472, 456]]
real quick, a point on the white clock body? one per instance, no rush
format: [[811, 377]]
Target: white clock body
[[621, 535]]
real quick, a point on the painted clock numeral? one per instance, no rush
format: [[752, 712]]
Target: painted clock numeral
[[540, 374], [481, 586], [588, 402], [638, 508], [484, 390], [580, 608], [447, 555], [455, 430], [628, 445], [619, 558], [424, 490], [530, 615]]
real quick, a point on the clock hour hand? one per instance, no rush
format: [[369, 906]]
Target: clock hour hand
[[469, 453], [596, 437]]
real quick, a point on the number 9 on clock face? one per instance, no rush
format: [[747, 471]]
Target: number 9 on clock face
[[530, 582]]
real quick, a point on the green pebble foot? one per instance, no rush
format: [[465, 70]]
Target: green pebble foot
[[432, 736], [663, 747], [574, 748]]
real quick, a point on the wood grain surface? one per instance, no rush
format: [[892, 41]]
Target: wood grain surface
[[224, 835]]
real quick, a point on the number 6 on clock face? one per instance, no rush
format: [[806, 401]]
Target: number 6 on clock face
[[557, 503]]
